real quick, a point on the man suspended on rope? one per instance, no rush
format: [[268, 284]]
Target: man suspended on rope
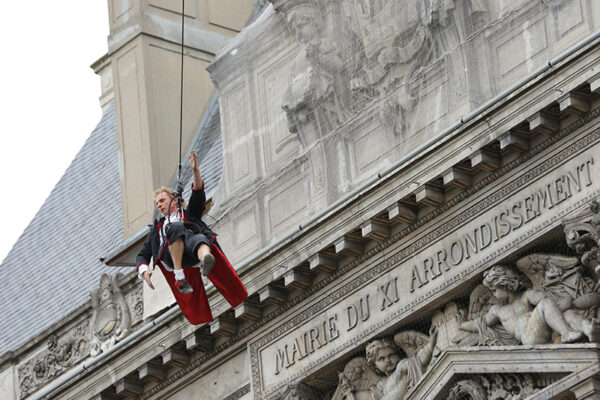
[[182, 245]]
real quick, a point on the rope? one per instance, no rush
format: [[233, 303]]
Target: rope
[[179, 179]]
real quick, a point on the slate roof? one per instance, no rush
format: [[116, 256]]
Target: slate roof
[[80, 221]]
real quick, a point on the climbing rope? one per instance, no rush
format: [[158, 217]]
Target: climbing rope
[[179, 178], [179, 190]]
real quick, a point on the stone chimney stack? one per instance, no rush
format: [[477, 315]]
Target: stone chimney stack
[[143, 67]]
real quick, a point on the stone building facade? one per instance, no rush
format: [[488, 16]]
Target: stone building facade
[[410, 193]]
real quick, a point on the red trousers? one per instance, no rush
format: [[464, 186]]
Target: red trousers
[[195, 305]]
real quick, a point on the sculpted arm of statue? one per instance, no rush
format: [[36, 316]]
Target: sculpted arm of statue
[[490, 318], [427, 351], [534, 296]]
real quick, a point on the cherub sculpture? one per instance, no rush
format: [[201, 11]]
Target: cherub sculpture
[[527, 315], [479, 333], [400, 375]]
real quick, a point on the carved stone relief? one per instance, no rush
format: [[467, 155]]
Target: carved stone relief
[[496, 386], [61, 353], [317, 98], [446, 323], [358, 52], [561, 306], [583, 236], [383, 374], [135, 303], [468, 389], [111, 320], [298, 391], [395, 44], [542, 299]]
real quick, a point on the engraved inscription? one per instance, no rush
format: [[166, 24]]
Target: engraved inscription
[[514, 216], [306, 343]]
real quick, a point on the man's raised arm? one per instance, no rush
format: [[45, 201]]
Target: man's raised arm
[[197, 200]]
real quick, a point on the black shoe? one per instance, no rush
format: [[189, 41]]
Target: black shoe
[[207, 264], [183, 286]]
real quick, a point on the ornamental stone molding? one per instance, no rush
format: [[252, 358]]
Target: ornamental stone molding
[[111, 320], [498, 386], [61, 353]]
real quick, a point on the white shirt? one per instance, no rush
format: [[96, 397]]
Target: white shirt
[[177, 216]]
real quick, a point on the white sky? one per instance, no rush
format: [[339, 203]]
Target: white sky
[[49, 99]]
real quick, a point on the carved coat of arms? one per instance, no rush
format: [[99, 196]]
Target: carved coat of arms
[[111, 321]]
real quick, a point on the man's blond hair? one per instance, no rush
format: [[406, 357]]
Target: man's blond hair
[[172, 194]]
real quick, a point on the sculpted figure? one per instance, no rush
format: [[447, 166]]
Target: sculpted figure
[[527, 315], [395, 46], [479, 333], [317, 84], [356, 381], [560, 278], [400, 375], [583, 236]]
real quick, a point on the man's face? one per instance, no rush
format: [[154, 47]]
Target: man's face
[[386, 360], [162, 202]]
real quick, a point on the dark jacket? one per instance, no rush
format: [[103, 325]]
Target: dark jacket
[[192, 221]]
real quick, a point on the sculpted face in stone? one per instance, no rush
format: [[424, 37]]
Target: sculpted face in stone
[[386, 360], [501, 294], [383, 356], [502, 281], [304, 21]]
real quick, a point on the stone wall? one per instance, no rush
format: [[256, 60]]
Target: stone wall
[[318, 97]]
